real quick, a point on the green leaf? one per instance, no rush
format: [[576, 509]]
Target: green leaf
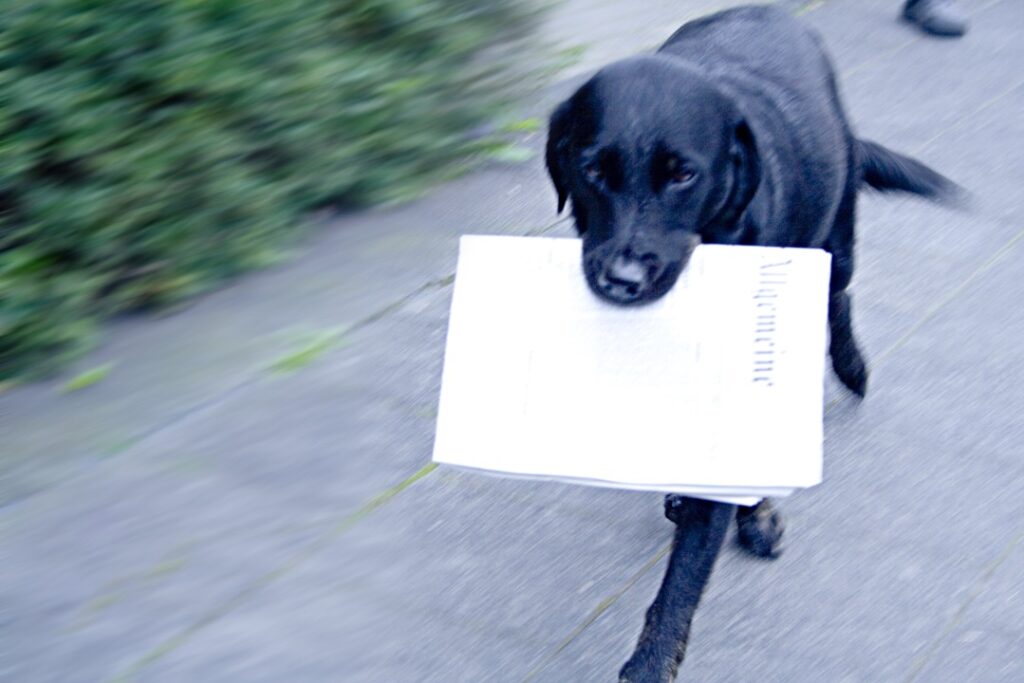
[[510, 153], [530, 125], [320, 344], [88, 378]]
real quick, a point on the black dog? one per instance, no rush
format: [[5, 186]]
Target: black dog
[[732, 133]]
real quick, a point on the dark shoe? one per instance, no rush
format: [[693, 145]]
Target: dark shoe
[[937, 17]]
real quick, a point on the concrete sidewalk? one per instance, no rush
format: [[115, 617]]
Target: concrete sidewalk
[[248, 495]]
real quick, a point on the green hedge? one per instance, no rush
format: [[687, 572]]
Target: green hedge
[[151, 148]]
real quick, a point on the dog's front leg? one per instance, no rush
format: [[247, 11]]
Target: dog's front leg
[[847, 360], [701, 526]]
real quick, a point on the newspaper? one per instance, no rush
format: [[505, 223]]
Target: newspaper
[[715, 390]]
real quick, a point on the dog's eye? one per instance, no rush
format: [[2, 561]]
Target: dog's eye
[[683, 176], [679, 173], [593, 174]]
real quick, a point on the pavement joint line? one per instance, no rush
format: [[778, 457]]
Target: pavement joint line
[[974, 112], [953, 294], [261, 374], [937, 308], [596, 613], [378, 315], [227, 606], [977, 589], [807, 7]]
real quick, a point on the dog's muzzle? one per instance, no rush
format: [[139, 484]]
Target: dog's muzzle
[[627, 275]]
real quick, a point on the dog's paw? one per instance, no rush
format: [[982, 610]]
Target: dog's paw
[[852, 371], [676, 507], [760, 531], [632, 672]]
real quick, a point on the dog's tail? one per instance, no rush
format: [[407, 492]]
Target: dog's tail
[[887, 171]]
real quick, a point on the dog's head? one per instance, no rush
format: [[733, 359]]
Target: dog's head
[[655, 159]]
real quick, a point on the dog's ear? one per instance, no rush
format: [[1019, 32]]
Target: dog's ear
[[557, 153], [746, 170]]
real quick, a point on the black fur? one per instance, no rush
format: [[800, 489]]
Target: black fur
[[886, 170], [732, 133]]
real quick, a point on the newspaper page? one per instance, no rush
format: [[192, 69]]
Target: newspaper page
[[716, 389]]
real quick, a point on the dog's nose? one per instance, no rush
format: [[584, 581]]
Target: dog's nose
[[627, 276]]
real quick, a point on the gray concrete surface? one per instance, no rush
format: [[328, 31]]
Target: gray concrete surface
[[198, 516]]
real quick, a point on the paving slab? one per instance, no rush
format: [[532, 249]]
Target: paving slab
[[420, 564], [984, 641], [286, 637], [194, 516]]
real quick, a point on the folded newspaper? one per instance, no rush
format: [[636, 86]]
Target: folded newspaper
[[715, 390]]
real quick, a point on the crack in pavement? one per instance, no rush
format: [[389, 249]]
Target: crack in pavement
[[597, 612], [975, 590]]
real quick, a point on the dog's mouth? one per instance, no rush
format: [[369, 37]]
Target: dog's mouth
[[626, 282], [636, 271]]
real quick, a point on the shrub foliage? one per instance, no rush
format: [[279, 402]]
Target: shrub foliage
[[150, 148]]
